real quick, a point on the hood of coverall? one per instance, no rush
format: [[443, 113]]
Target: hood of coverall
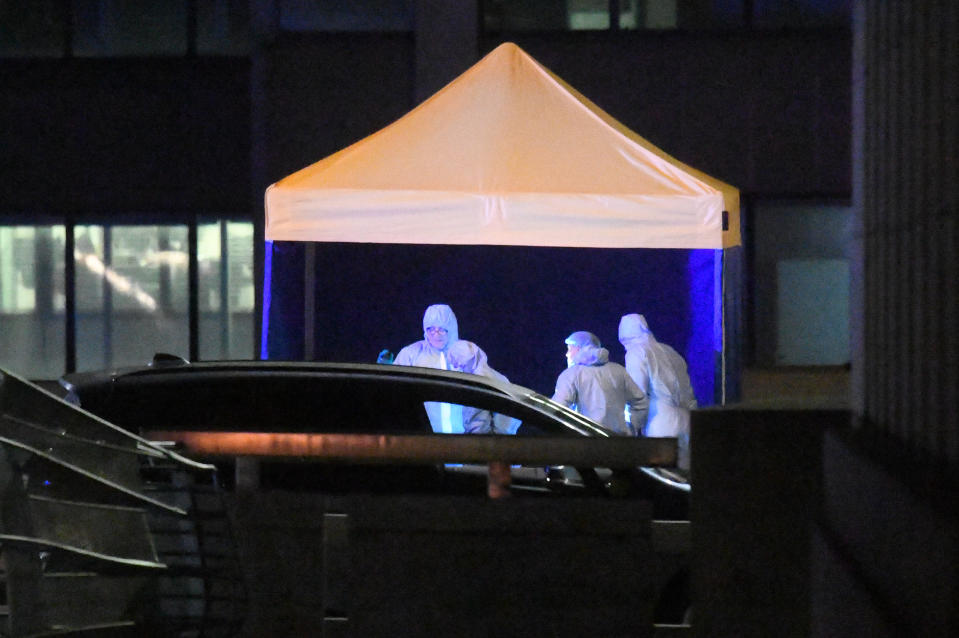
[[634, 331], [467, 357], [582, 338], [590, 355], [579, 339], [441, 316]]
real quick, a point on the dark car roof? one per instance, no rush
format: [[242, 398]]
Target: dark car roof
[[298, 396]]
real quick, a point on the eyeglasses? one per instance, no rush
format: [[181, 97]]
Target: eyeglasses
[[434, 330]]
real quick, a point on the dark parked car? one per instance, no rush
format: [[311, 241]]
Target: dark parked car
[[307, 397], [404, 541]]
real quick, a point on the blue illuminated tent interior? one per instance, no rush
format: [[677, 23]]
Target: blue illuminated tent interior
[[525, 207]]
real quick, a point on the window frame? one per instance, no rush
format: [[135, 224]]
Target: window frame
[[70, 311]]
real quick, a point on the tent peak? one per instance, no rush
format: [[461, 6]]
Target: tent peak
[[508, 50]]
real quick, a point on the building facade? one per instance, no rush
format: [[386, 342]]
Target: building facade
[[138, 143]]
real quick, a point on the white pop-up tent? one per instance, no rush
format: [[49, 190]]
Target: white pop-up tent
[[508, 154]]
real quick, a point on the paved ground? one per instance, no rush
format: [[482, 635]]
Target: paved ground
[[813, 385]]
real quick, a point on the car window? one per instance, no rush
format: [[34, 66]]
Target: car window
[[258, 403], [446, 418], [454, 418]]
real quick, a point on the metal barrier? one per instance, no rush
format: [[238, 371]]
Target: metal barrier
[[495, 451], [351, 581], [105, 533]]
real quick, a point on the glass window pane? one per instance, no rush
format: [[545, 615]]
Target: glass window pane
[[149, 265], [88, 257], [226, 296], [17, 269], [346, 15], [812, 310], [32, 28], [209, 253], [575, 15], [32, 342], [800, 245], [124, 27], [587, 15], [137, 280], [648, 14], [240, 237], [223, 27]]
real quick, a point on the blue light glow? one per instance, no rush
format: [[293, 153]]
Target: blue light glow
[[267, 279], [704, 348]]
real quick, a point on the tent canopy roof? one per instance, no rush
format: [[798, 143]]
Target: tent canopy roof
[[506, 154]]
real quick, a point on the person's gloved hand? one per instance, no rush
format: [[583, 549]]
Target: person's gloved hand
[[385, 356]]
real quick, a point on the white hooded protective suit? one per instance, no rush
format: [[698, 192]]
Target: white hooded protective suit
[[601, 389], [421, 353], [444, 417], [662, 373], [466, 356]]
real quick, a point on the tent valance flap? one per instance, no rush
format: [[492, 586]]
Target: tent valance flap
[[513, 219]]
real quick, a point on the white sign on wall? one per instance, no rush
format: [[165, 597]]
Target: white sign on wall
[[812, 326]]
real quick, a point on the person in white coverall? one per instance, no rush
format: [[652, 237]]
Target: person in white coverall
[[466, 356], [439, 331], [662, 373], [599, 388]]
